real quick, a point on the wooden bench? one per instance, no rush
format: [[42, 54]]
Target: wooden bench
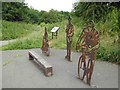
[[55, 31], [47, 68]]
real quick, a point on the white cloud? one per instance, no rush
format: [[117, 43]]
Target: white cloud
[[60, 5]]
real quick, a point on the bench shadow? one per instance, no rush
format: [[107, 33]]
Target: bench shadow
[[36, 64]]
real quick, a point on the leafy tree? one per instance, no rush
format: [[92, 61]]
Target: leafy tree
[[52, 16], [33, 16], [14, 11], [93, 10]]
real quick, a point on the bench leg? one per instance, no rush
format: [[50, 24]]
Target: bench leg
[[48, 71], [30, 57]]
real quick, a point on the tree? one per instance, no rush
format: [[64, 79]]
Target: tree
[[52, 16], [33, 15], [14, 11], [93, 10]]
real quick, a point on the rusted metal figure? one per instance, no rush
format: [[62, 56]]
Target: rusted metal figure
[[69, 35], [45, 44], [80, 39], [89, 46]]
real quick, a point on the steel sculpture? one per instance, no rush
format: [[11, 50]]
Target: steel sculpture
[[45, 44], [80, 39], [69, 35], [89, 44]]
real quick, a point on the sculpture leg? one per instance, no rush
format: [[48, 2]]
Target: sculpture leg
[[69, 52], [89, 71], [89, 77], [48, 52], [90, 66]]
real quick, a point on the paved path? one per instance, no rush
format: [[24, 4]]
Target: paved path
[[0, 70], [19, 72], [6, 42]]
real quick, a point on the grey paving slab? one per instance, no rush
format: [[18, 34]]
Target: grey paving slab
[[0, 70], [19, 72]]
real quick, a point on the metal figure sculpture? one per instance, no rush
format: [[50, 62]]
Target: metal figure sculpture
[[80, 39], [45, 44], [89, 45], [69, 35]]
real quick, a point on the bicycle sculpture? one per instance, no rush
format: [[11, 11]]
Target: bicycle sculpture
[[89, 44], [45, 44], [69, 35]]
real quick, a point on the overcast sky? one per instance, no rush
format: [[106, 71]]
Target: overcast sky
[[60, 5]]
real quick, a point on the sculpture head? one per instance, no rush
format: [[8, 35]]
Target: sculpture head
[[46, 34], [45, 29], [69, 19]]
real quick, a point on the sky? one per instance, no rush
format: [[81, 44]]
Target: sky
[[46, 5]]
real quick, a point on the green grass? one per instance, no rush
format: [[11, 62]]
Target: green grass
[[13, 30], [33, 40], [0, 29]]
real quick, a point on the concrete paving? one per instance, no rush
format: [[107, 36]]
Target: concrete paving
[[0, 70], [19, 72]]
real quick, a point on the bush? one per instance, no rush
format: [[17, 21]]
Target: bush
[[108, 55]]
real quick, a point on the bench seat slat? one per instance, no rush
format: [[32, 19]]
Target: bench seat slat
[[42, 61], [39, 60], [34, 54]]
